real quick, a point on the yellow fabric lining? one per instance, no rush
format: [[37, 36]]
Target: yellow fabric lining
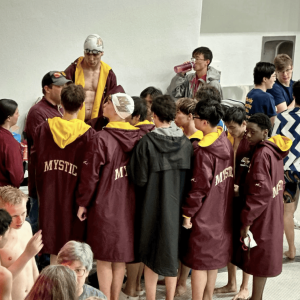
[[210, 138], [186, 217], [79, 79], [230, 138], [197, 135], [121, 125], [66, 132], [146, 122], [282, 142]]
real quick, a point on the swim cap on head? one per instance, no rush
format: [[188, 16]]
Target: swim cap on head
[[93, 42]]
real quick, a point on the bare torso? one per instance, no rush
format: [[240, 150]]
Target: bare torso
[[91, 78], [16, 244]]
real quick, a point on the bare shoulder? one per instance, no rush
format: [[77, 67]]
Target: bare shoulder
[[26, 229]]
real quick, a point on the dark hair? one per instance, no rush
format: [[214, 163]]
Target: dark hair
[[208, 92], [262, 121], [261, 70], [140, 108], [5, 220], [152, 91], [7, 109], [296, 91], [282, 61], [164, 107], [210, 111], [72, 96], [235, 114], [206, 53]]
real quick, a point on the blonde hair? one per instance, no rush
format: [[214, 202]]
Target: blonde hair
[[54, 282], [11, 195], [282, 61], [186, 105]]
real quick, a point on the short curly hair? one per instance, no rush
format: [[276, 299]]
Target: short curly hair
[[262, 121], [11, 195]]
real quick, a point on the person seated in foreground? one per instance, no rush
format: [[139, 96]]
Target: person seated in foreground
[[20, 262], [55, 282], [79, 257]]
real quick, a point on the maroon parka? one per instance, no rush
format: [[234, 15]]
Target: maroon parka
[[264, 209], [11, 160], [209, 204], [57, 176], [108, 194]]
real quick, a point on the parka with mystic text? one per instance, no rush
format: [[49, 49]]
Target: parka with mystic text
[[263, 210], [59, 147], [209, 204], [107, 193]]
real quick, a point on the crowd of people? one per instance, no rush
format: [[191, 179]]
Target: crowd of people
[[149, 185]]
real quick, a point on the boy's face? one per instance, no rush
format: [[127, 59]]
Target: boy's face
[[18, 213], [270, 81], [285, 75], [181, 119], [108, 109], [200, 62], [254, 134], [200, 124], [236, 130]]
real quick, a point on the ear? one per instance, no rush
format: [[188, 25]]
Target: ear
[[80, 108], [138, 117], [190, 116], [244, 123], [46, 88], [101, 54], [266, 131]]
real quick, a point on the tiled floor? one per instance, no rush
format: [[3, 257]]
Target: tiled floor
[[286, 286]]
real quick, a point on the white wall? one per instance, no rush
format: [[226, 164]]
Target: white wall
[[233, 30], [143, 41]]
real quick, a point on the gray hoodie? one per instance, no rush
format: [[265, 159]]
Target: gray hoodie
[[181, 86]]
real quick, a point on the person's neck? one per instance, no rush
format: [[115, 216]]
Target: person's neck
[[87, 67], [69, 116], [201, 73], [50, 100], [79, 291], [285, 83], [165, 124], [261, 87], [6, 126], [209, 130], [116, 119], [189, 129]]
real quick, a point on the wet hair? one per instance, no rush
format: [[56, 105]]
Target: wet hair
[[7, 109], [164, 107], [140, 108], [54, 282], [5, 221], [152, 91], [11, 195], [210, 111], [261, 70], [296, 91], [282, 62], [206, 53], [186, 105], [262, 121], [235, 114], [72, 251], [208, 92], [72, 96]]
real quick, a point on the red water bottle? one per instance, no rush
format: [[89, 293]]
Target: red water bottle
[[186, 67]]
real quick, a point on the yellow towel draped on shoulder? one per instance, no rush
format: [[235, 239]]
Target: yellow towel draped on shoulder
[[79, 79]]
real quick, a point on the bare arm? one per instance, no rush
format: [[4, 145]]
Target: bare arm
[[292, 105], [281, 107], [5, 284], [35, 270], [33, 247]]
